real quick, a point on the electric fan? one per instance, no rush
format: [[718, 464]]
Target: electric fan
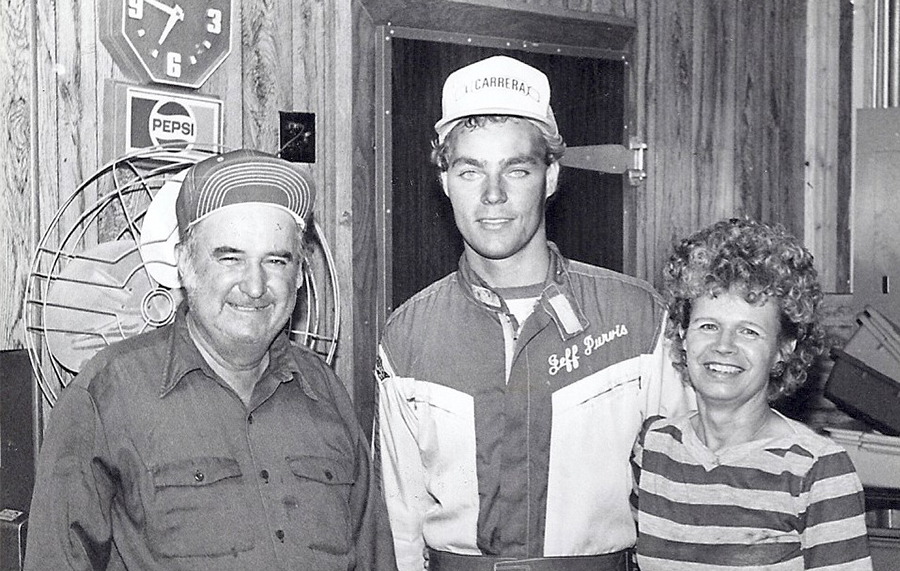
[[98, 277]]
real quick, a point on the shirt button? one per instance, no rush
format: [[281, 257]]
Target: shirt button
[[250, 419], [264, 474], [329, 475], [280, 535], [198, 475]]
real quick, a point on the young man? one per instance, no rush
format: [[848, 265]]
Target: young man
[[214, 443], [511, 391]]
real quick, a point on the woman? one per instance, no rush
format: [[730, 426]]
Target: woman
[[737, 485]]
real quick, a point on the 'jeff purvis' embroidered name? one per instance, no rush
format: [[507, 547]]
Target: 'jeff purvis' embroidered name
[[570, 358], [510, 83]]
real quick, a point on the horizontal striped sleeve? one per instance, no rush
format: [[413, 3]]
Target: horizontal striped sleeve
[[835, 527], [636, 477], [637, 454]]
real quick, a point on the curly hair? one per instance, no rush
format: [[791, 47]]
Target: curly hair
[[763, 262], [554, 147]]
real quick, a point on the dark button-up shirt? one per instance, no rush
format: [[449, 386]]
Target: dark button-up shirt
[[152, 462]]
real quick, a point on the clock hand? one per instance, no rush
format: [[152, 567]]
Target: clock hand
[[177, 15], [160, 6]]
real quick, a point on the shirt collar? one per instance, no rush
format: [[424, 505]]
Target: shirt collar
[[557, 299], [184, 358]]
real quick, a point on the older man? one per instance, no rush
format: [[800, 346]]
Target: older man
[[511, 390], [214, 443]]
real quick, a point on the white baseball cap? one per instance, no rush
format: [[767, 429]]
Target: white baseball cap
[[498, 85]]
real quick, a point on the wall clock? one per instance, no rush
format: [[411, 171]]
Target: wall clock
[[174, 42]]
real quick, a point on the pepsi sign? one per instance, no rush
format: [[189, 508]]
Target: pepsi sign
[[171, 123], [150, 117]]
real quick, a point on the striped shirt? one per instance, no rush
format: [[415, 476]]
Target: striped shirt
[[786, 503]]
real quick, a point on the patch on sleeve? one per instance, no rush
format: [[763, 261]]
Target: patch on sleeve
[[381, 372]]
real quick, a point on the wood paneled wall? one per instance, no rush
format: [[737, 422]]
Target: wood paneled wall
[[364, 222], [17, 166], [829, 115], [718, 95], [718, 89], [723, 111], [287, 56]]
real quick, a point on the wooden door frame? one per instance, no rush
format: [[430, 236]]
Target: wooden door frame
[[590, 45]]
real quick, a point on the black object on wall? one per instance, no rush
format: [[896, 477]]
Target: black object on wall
[[17, 430]]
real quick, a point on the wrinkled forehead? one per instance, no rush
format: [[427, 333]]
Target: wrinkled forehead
[[248, 222]]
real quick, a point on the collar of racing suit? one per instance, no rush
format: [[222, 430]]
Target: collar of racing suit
[[556, 299]]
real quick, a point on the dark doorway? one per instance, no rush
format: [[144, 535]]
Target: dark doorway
[[585, 218]]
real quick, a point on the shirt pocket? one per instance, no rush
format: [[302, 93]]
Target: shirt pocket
[[598, 417], [445, 433], [198, 508], [323, 511], [605, 388]]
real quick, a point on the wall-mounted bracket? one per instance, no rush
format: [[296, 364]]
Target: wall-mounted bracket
[[615, 159]]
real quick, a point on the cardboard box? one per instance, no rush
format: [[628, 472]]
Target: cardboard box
[[876, 343], [875, 456], [864, 393]]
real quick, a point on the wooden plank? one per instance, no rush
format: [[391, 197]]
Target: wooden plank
[[46, 147], [619, 12], [864, 19], [262, 73], [666, 197], [75, 119], [713, 113], [769, 130], [308, 57], [364, 288], [828, 139], [822, 93], [17, 154], [45, 197], [339, 110], [750, 39], [567, 27], [792, 93], [788, 90], [636, 112], [285, 29], [846, 113], [224, 85], [644, 46]]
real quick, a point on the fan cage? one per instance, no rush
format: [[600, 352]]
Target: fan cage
[[109, 207]]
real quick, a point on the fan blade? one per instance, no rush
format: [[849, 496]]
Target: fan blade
[[159, 234], [101, 296]]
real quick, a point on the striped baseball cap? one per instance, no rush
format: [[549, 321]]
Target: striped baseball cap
[[242, 177]]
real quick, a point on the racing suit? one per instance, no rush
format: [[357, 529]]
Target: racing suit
[[499, 440]]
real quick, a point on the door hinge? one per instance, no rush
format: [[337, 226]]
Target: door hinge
[[615, 159]]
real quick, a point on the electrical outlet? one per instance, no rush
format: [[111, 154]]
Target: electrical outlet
[[297, 134]]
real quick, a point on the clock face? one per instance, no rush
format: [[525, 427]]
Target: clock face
[[176, 42]]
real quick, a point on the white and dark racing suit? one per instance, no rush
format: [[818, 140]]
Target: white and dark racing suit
[[497, 442]]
